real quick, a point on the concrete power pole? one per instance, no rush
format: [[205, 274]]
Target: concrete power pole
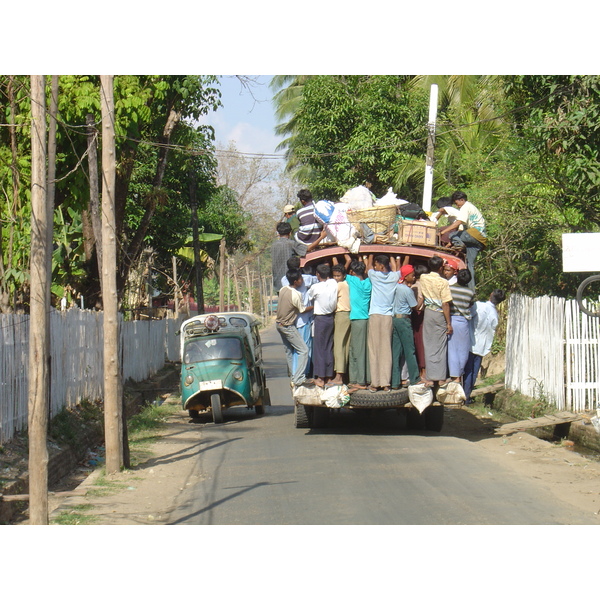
[[39, 331], [427, 188], [113, 388]]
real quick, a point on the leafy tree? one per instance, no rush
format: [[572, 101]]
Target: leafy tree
[[557, 119], [153, 114], [348, 129]]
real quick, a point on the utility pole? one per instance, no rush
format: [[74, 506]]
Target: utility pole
[[222, 275], [113, 390], [38, 401], [197, 263], [427, 189]]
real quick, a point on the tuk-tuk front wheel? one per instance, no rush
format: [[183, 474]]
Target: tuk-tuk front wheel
[[215, 405]]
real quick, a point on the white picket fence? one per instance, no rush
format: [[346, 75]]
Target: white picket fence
[[553, 352], [76, 359]]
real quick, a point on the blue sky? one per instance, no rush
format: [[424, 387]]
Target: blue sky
[[246, 116]]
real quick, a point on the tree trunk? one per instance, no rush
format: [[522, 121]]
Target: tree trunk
[[39, 315], [199, 291], [249, 284], [113, 397], [135, 247], [93, 211]]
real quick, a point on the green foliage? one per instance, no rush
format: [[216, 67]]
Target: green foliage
[[557, 119], [351, 129]]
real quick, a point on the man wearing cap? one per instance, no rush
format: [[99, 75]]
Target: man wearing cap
[[403, 343], [450, 270], [289, 216], [283, 248]]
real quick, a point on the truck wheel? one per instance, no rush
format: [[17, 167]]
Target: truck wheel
[[434, 418], [260, 409], [194, 414], [215, 405], [301, 416], [320, 417], [415, 420], [267, 398]]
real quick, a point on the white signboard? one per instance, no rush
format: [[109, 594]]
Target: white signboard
[[581, 252]]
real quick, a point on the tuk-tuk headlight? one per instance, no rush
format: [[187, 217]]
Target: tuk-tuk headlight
[[189, 380], [237, 374]]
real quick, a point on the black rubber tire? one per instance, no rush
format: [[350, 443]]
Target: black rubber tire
[[217, 411], [391, 399], [194, 414], [415, 421], [580, 295], [302, 416], [259, 409], [267, 398], [434, 418], [320, 416]]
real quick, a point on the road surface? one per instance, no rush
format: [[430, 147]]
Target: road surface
[[261, 470]]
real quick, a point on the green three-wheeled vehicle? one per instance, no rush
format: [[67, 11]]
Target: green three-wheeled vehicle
[[222, 365]]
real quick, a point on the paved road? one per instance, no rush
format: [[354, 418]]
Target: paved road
[[261, 470]]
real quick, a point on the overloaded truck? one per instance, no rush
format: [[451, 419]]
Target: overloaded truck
[[414, 241]]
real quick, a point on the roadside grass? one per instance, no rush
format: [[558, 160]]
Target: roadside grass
[[143, 429], [75, 515], [507, 405]]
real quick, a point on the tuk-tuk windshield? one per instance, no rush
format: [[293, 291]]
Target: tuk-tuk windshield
[[212, 349]]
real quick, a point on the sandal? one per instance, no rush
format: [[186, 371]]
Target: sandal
[[372, 389]]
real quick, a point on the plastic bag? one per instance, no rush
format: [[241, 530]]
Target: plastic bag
[[324, 210], [388, 200], [358, 198], [420, 396], [451, 393], [335, 396]]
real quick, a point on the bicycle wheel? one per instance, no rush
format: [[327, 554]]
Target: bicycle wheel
[[588, 296]]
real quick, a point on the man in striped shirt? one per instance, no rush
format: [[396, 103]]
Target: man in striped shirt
[[309, 231]]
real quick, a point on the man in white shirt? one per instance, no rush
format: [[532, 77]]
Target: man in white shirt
[[323, 295], [473, 237], [305, 319], [483, 322]]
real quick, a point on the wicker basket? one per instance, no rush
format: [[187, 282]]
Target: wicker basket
[[380, 219]]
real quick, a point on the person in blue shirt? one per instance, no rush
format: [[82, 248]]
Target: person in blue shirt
[[381, 271], [360, 299], [403, 341]]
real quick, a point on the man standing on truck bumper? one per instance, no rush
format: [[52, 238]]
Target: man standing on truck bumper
[[289, 307], [383, 286]]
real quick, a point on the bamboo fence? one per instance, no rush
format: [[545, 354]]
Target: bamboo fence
[[76, 370], [552, 352]]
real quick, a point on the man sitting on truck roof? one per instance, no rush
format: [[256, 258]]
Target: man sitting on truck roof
[[310, 229], [473, 237]]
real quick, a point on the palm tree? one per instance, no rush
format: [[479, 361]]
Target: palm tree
[[287, 100], [469, 125]]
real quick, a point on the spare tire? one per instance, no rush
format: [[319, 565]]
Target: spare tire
[[367, 399]]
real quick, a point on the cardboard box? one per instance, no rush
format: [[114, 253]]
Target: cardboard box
[[419, 233]]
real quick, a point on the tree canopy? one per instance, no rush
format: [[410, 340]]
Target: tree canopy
[[160, 149]]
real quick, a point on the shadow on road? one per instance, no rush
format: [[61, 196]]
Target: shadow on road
[[460, 423]]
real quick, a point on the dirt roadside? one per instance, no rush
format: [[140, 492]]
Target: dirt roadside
[[148, 494]]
